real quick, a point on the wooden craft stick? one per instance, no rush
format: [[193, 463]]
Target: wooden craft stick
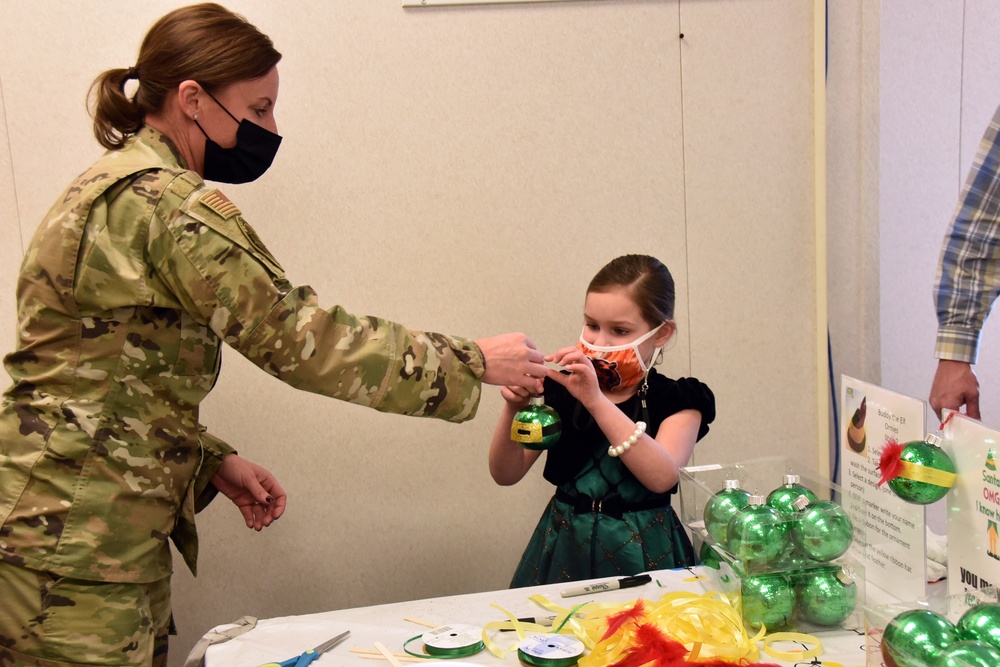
[[388, 656], [420, 622], [378, 656], [369, 653]]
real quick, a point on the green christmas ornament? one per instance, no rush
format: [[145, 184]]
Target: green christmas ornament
[[969, 654], [982, 624], [917, 638], [827, 597], [918, 472], [536, 425], [721, 507], [768, 600], [757, 534], [799, 569], [709, 557], [782, 497], [822, 530]]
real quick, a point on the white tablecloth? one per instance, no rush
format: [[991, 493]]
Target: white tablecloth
[[277, 639]]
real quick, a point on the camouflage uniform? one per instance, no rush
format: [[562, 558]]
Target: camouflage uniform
[[131, 282]]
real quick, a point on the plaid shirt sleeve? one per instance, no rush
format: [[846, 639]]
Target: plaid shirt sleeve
[[968, 273]]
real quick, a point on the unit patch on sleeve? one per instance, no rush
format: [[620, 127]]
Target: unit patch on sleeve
[[218, 202], [257, 244]]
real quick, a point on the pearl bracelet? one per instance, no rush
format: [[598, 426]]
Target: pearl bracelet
[[640, 428]]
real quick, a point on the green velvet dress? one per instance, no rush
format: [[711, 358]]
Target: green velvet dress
[[602, 522]]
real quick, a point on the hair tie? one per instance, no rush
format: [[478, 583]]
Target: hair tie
[[131, 73]]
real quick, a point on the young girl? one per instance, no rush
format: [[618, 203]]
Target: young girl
[[626, 431]]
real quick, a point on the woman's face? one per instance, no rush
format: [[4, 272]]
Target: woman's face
[[253, 100]]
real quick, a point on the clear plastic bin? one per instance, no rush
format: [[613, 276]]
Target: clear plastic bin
[[798, 568]]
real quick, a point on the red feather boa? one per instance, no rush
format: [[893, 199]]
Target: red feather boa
[[616, 621], [652, 648]]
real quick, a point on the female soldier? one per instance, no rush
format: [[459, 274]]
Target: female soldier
[[131, 282]]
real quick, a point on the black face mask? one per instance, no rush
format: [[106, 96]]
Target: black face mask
[[246, 161]]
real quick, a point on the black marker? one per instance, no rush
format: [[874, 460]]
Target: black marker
[[613, 585]]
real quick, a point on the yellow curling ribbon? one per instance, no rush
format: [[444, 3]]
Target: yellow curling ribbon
[[521, 630], [919, 473], [792, 656], [708, 625]]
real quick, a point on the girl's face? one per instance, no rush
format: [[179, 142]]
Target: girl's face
[[613, 318]]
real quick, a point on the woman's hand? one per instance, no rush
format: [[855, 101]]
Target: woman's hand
[[253, 489], [518, 397], [512, 360]]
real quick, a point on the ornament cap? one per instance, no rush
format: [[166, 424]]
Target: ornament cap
[[731, 484], [537, 400], [933, 439], [801, 503], [845, 576], [757, 500], [791, 479]]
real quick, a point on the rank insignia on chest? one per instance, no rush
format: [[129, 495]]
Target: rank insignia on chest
[[219, 203]]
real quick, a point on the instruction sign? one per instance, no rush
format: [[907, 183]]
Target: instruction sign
[[894, 533], [973, 504]]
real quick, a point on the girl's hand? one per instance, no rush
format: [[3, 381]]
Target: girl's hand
[[517, 397], [582, 382]]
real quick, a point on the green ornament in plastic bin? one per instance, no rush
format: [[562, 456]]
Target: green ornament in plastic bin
[[982, 624], [799, 568], [709, 557], [768, 600], [782, 497], [827, 597], [969, 654], [918, 472], [822, 530], [721, 507], [536, 425], [917, 638], [757, 534]]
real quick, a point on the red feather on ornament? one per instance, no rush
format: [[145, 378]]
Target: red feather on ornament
[[889, 463], [616, 621]]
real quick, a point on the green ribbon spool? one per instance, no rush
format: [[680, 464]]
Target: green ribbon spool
[[545, 662], [447, 652], [533, 649]]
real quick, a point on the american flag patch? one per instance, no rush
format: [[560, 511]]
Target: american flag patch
[[219, 203]]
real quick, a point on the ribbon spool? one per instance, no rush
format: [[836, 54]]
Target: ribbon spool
[[549, 650], [449, 641]]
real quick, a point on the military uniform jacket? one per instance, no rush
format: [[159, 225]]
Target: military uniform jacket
[[129, 285]]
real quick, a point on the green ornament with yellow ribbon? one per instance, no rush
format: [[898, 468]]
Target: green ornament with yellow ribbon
[[919, 472], [536, 425]]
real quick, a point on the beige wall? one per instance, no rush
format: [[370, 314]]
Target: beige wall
[[853, 190], [11, 247], [468, 169]]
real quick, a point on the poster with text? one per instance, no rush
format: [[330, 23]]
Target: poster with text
[[973, 504], [894, 533]]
